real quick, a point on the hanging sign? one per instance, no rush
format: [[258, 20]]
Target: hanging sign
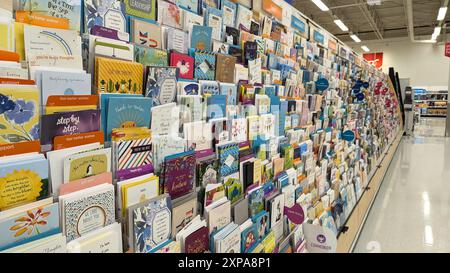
[[298, 24], [318, 37], [360, 96], [322, 84], [356, 90], [447, 49], [348, 135], [375, 59], [295, 214], [319, 239]]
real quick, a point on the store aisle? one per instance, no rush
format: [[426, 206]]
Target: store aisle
[[411, 211]]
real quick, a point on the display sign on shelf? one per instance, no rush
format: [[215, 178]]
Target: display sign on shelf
[[319, 239]]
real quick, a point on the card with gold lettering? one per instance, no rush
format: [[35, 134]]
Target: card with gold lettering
[[179, 173]]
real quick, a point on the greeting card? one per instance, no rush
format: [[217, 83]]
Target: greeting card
[[19, 113], [141, 8], [179, 173], [184, 63], [144, 33], [126, 112], [117, 76], [23, 181], [110, 14], [150, 56], [161, 84]]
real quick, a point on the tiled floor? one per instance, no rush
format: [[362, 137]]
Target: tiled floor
[[412, 209]]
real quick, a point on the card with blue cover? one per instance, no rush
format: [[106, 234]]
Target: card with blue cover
[[201, 37], [104, 99], [190, 5], [230, 90], [205, 65], [262, 223], [213, 18], [249, 238], [161, 84], [256, 201], [110, 14], [228, 154], [229, 12], [216, 106], [126, 112], [29, 225]]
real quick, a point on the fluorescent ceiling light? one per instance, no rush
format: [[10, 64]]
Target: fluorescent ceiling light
[[355, 38], [321, 5], [437, 31], [442, 13], [341, 25], [365, 48]]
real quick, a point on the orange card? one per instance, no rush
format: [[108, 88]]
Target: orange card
[[68, 141], [16, 81], [20, 148], [37, 19], [71, 100], [9, 56]]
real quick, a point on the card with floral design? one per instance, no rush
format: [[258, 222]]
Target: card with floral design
[[19, 113], [29, 225]]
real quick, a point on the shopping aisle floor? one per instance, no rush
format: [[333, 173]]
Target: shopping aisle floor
[[412, 209]]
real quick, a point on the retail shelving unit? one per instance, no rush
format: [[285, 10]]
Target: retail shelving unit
[[348, 237], [431, 103]]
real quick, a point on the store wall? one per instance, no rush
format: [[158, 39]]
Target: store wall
[[424, 64]]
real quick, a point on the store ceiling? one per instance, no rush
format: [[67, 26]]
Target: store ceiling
[[372, 22]]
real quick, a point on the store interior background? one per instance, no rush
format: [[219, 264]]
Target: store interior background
[[410, 212]]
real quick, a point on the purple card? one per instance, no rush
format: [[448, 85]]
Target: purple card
[[133, 172], [198, 241], [109, 33], [68, 123], [295, 214], [179, 173]]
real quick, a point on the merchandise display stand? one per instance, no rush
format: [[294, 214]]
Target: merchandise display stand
[[348, 239], [216, 127]]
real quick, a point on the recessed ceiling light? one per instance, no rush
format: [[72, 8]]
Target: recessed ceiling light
[[321, 5], [341, 25], [442, 13], [365, 48], [355, 38]]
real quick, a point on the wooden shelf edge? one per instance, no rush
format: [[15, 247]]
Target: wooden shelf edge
[[346, 244]]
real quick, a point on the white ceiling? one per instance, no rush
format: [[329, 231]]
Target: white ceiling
[[374, 22]]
